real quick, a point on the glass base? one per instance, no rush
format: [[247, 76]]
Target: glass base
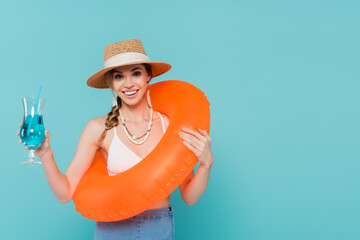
[[32, 157], [32, 162]]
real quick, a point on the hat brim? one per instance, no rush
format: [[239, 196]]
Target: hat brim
[[97, 80]]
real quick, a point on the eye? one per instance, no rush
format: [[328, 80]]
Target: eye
[[137, 73], [118, 76]]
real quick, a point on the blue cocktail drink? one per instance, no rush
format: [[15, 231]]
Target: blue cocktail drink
[[36, 133]]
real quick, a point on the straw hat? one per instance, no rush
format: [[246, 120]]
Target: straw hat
[[124, 53]]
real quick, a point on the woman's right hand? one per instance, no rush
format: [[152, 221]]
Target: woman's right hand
[[44, 148]]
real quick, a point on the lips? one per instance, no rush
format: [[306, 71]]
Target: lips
[[130, 90], [134, 93]]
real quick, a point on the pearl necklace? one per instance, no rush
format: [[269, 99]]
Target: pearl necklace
[[146, 135]]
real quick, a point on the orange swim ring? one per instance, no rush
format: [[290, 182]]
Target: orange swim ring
[[105, 198]]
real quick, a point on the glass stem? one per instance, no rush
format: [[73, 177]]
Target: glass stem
[[32, 155]]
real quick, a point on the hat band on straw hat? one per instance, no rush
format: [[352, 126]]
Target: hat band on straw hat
[[125, 58]]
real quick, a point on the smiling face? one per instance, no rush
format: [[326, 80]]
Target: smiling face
[[130, 83]]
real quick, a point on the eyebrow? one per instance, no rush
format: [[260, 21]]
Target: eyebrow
[[131, 70]]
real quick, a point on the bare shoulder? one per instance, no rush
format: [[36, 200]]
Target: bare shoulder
[[93, 130], [96, 125]]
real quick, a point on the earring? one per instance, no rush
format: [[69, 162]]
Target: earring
[[114, 101], [148, 98]]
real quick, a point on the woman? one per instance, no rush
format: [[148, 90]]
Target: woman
[[127, 72]]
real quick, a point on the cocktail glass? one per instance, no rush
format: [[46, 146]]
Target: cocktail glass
[[32, 131]]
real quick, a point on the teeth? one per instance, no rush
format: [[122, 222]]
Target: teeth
[[130, 93]]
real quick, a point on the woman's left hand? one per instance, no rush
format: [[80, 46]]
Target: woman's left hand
[[198, 143]]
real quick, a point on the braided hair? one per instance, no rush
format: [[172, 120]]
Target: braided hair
[[112, 119]]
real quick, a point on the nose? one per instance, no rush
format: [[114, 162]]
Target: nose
[[128, 81]]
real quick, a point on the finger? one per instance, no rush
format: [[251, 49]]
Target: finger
[[205, 133], [47, 134], [192, 140], [194, 150], [20, 141], [195, 133], [18, 133], [20, 124]]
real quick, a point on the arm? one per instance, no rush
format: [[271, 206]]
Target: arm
[[194, 186], [64, 185], [199, 143]]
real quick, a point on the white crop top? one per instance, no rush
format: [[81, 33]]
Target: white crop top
[[120, 157]]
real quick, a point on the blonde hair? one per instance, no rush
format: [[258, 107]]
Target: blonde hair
[[112, 119]]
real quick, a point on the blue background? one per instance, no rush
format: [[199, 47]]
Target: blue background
[[282, 78]]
